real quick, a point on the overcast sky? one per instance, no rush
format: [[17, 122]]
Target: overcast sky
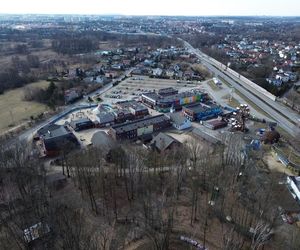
[[154, 7]]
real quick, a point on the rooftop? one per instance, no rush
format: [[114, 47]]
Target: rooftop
[[139, 123], [131, 104], [177, 118], [58, 132], [197, 108], [162, 141]]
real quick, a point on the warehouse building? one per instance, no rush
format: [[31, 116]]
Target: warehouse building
[[139, 128], [81, 124], [198, 112], [58, 139], [215, 124], [137, 109]]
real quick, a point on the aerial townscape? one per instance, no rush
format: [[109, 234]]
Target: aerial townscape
[[149, 131]]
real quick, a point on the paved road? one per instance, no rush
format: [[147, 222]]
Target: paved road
[[28, 134], [282, 115]]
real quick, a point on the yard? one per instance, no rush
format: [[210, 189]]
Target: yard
[[14, 110]]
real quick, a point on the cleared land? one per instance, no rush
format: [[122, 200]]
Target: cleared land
[[14, 110]]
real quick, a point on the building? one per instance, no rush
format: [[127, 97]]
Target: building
[[198, 133], [163, 101], [105, 119], [123, 115], [215, 124], [163, 142], [157, 72], [71, 95], [81, 124], [179, 121], [136, 108], [58, 139], [198, 112], [138, 128]]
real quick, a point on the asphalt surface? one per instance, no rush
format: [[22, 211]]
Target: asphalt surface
[[286, 118]]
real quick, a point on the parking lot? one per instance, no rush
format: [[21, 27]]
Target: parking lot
[[133, 87]]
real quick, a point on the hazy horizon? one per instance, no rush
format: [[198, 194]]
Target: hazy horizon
[[280, 8]]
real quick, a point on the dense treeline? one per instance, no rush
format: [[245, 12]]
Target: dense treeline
[[119, 196], [74, 45]]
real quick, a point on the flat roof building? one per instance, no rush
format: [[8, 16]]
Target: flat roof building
[[81, 124], [136, 108], [164, 103], [201, 111], [137, 128], [58, 139]]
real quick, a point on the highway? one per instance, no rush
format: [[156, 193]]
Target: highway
[[286, 118]]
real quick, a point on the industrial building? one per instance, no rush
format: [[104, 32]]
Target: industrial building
[[215, 124], [138, 128], [137, 109], [57, 139], [198, 112], [81, 124], [123, 111], [169, 98]]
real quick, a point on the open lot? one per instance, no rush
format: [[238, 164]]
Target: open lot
[[14, 110], [133, 87]]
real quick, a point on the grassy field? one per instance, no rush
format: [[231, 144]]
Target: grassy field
[[14, 110], [231, 101], [213, 86]]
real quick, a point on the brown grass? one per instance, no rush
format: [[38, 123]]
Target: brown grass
[[14, 110]]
